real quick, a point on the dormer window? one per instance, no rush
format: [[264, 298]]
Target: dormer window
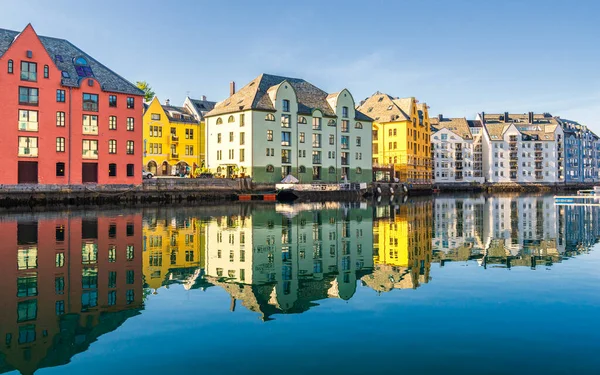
[[82, 67], [231, 119], [65, 74]]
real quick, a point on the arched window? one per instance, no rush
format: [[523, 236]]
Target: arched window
[[270, 168], [359, 170], [358, 125], [270, 117], [46, 71], [302, 169], [231, 119], [331, 122], [331, 170], [10, 67], [80, 61], [301, 120], [219, 121]]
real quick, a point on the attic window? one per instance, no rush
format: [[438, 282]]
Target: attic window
[[251, 84], [65, 74], [380, 99], [80, 61], [240, 101], [58, 58], [390, 108], [370, 109]]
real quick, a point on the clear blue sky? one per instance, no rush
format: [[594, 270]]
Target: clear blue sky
[[460, 56]]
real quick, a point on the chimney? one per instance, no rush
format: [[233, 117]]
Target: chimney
[[167, 102], [231, 88], [482, 118], [440, 117], [506, 117], [531, 117], [203, 97]]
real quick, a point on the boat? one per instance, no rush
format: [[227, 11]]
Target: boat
[[287, 192]]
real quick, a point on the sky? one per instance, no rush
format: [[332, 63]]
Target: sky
[[461, 57]]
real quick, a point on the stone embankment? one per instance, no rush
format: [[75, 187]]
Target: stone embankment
[[512, 187]]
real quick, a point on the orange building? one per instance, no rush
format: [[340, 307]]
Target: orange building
[[65, 281], [68, 119]]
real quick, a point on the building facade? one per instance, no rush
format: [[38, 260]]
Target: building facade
[[174, 140], [277, 126], [401, 137], [457, 150], [581, 153], [73, 120]]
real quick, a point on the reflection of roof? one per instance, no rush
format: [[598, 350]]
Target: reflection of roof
[[384, 108], [255, 96], [64, 54], [387, 277]]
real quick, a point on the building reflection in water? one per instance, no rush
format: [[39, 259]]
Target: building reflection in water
[[283, 260], [66, 280], [511, 231]]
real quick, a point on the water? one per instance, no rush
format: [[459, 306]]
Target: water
[[469, 285]]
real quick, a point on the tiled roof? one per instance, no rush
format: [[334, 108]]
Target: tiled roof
[[459, 126], [202, 106], [64, 54], [254, 96], [384, 108], [542, 128], [181, 111]]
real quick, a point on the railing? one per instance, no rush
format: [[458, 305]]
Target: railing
[[31, 152], [90, 107], [174, 138], [174, 155]]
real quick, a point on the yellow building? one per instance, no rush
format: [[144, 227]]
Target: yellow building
[[402, 251], [174, 252], [401, 138], [173, 140]]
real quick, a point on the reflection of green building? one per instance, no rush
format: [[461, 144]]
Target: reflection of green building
[[290, 256]]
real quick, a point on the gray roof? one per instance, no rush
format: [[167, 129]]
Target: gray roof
[[202, 107], [190, 119], [254, 96], [63, 53]]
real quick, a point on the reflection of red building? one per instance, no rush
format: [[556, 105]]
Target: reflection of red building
[[65, 281], [67, 118]]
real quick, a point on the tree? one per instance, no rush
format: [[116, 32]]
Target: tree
[[147, 89]]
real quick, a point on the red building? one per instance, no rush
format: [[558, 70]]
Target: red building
[[67, 119], [66, 280]]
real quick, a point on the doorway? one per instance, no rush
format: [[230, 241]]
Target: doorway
[[89, 173], [28, 172]]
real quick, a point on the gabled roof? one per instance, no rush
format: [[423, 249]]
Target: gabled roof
[[64, 55], [203, 106], [459, 126], [542, 128], [255, 96], [384, 108], [184, 114]]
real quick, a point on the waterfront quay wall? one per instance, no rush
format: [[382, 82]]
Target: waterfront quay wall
[[513, 187]]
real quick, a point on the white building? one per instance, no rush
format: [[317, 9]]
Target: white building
[[275, 126], [456, 150]]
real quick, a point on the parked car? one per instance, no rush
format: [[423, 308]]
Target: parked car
[[147, 175]]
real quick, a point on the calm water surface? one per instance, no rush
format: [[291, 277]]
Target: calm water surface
[[444, 285]]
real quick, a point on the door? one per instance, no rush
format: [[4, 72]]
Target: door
[[28, 172], [89, 173]]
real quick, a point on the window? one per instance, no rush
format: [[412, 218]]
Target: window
[[345, 126], [46, 71], [10, 67], [286, 105], [358, 141], [28, 71], [331, 170], [286, 138], [316, 123], [270, 169], [130, 124], [130, 103], [269, 135], [90, 149], [331, 139], [242, 138], [345, 142], [344, 111], [316, 140], [285, 121], [112, 123], [242, 123], [28, 120], [316, 157], [60, 119], [90, 124], [189, 150], [301, 120], [60, 96], [270, 117], [112, 101], [231, 119], [230, 136], [130, 171], [28, 95], [358, 125], [60, 144], [358, 170], [112, 171], [231, 154], [90, 102], [331, 122], [112, 146], [242, 155], [28, 146], [301, 137], [270, 152], [60, 171], [130, 149], [189, 133]]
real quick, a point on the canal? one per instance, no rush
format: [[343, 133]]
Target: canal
[[476, 284]]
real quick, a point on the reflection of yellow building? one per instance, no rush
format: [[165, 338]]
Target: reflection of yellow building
[[173, 252], [173, 139], [401, 136], [402, 248]]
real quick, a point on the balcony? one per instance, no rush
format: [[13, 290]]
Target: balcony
[[513, 176], [90, 154], [514, 166], [90, 130], [539, 166], [28, 126], [316, 160], [28, 152], [174, 155], [539, 177], [174, 138], [514, 155], [345, 161], [539, 158]]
